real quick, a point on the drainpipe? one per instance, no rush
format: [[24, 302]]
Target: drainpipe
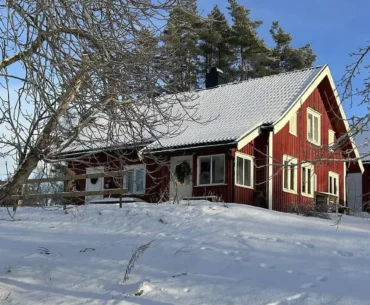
[[268, 129]]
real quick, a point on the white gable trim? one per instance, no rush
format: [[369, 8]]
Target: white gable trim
[[249, 136], [304, 96]]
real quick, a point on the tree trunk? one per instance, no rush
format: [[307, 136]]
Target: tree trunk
[[44, 140]]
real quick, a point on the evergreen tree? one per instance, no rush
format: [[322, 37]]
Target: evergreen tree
[[250, 50], [215, 47], [180, 45], [286, 58]]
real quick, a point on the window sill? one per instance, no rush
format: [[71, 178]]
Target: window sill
[[290, 191], [312, 142], [216, 184], [308, 195], [244, 186]]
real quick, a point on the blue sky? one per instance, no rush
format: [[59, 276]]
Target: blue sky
[[333, 28]]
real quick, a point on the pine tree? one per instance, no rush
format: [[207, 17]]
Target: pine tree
[[180, 45], [284, 57], [215, 47], [249, 49]]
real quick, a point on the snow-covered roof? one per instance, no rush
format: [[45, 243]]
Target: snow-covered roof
[[234, 109], [221, 114]]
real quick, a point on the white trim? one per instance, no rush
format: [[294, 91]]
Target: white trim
[[331, 134], [271, 169], [248, 137], [135, 167], [210, 170], [336, 176], [344, 118], [293, 124], [291, 160], [244, 157], [303, 97], [308, 165], [314, 115], [278, 125]]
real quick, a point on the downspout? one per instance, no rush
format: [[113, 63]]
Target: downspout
[[268, 129]]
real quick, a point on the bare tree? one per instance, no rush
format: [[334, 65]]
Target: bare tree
[[85, 74]]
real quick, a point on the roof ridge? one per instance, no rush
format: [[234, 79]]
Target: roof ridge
[[259, 78]]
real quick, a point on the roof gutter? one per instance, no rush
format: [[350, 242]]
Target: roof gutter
[[169, 150]]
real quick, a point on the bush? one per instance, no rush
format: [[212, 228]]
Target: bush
[[310, 208]]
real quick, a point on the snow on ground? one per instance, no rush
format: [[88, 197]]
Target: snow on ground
[[204, 253]]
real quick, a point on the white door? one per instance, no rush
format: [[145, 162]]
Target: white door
[[94, 184], [181, 183]]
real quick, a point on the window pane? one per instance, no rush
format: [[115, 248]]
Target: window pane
[[335, 186], [239, 170], [309, 179], [139, 180], [330, 185], [310, 126], [218, 170], [205, 170], [304, 179], [247, 172], [130, 181], [292, 177], [286, 170], [316, 129]]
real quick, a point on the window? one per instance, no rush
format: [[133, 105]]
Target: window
[[135, 179], [290, 174], [313, 126], [211, 170], [333, 183], [293, 124], [308, 179], [244, 170], [331, 139]]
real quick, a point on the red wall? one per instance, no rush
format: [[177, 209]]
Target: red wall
[[300, 148]]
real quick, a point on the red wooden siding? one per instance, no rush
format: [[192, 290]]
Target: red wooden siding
[[224, 191], [298, 147], [258, 149]]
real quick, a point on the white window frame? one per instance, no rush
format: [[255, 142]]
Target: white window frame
[[331, 139], [134, 168], [198, 170], [293, 124], [291, 161], [312, 179], [318, 116], [335, 176], [244, 157]]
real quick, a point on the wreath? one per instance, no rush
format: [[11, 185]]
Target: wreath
[[183, 172]]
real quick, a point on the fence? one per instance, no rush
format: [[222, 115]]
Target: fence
[[71, 194]]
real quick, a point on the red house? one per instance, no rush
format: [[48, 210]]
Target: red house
[[274, 141]]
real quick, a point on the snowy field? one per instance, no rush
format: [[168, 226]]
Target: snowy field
[[200, 254]]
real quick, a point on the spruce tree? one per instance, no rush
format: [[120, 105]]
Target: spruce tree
[[284, 57], [180, 46], [250, 50], [215, 47]]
